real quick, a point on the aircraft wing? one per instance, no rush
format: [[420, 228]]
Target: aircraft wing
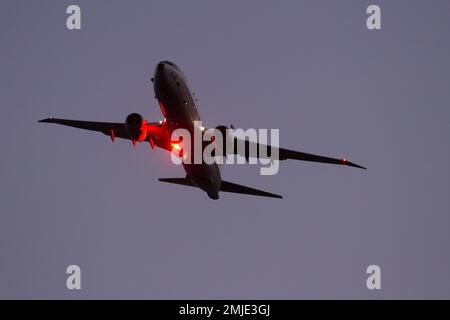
[[106, 128], [297, 155], [284, 154], [156, 134]]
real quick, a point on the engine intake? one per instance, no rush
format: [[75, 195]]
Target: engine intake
[[223, 130], [136, 126]]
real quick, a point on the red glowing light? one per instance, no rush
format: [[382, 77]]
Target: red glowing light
[[152, 142], [162, 109], [175, 146]]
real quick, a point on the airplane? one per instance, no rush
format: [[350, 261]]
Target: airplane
[[179, 109]]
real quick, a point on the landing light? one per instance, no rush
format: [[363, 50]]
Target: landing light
[[175, 146]]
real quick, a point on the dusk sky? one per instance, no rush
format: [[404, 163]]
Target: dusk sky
[[311, 69]]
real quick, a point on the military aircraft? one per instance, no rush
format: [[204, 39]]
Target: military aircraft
[[179, 109]]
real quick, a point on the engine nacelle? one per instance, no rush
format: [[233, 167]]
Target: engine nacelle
[[222, 129], [225, 136], [136, 126]]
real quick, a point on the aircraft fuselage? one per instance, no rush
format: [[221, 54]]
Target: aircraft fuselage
[[178, 106]]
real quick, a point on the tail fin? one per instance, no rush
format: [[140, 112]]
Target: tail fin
[[237, 188]]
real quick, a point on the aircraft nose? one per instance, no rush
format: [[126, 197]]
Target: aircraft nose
[[161, 66], [166, 64]]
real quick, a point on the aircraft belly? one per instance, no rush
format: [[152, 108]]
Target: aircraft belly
[[204, 176]]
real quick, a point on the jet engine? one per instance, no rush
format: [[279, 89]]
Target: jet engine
[[136, 127], [223, 130], [225, 136]]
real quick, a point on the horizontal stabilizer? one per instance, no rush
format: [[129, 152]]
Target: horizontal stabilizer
[[237, 188], [182, 181], [225, 187]]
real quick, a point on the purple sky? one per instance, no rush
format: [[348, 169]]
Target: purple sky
[[310, 68]]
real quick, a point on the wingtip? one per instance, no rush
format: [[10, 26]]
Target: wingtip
[[276, 196], [357, 166], [46, 120], [351, 164]]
